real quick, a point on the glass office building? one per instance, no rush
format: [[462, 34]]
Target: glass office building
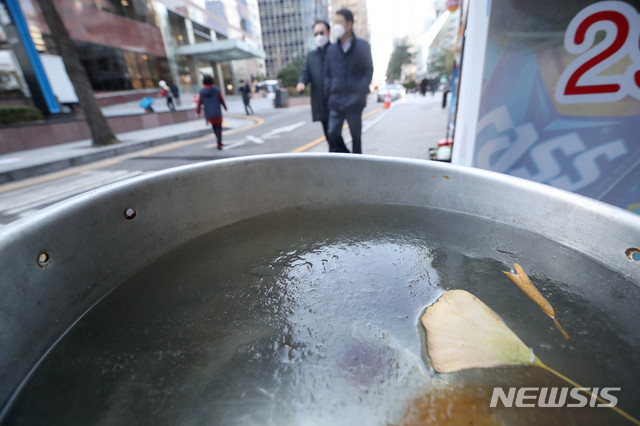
[[133, 44], [287, 30], [221, 38], [360, 16]]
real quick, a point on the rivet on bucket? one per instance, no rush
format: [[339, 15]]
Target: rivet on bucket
[[129, 213], [633, 254], [44, 259]]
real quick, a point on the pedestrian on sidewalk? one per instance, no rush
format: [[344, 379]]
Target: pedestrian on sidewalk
[[423, 86], [175, 91], [433, 84], [166, 92], [211, 99], [245, 90], [348, 70], [313, 73]]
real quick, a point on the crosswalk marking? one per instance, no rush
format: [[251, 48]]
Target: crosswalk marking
[[27, 200]]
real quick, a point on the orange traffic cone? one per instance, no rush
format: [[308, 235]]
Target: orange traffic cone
[[387, 101]]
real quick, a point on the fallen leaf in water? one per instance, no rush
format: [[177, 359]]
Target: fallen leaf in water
[[525, 284]]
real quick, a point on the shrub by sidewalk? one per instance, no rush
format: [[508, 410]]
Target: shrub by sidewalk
[[11, 114]]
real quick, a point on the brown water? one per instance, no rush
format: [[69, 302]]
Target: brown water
[[312, 317]]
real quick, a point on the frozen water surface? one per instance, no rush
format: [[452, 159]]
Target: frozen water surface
[[313, 317]]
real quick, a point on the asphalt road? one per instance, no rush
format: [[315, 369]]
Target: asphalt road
[[407, 129]]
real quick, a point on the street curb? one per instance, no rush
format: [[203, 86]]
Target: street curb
[[103, 153]]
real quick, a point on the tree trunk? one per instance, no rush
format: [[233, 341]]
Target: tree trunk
[[101, 133]]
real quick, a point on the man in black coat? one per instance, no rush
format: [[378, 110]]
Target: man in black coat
[[313, 72], [423, 86], [348, 69]]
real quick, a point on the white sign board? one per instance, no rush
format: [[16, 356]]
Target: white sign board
[[59, 79]]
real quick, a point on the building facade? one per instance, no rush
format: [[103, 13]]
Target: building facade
[[133, 44], [221, 38], [360, 17], [287, 30], [444, 43]]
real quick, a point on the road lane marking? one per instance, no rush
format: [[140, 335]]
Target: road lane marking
[[11, 160], [259, 122], [225, 123], [285, 129], [58, 175], [310, 145], [255, 140], [372, 123], [272, 134], [43, 191], [318, 141], [370, 113], [31, 197], [348, 141], [119, 159], [28, 213]]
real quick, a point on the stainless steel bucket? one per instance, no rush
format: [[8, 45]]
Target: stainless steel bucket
[[57, 264]]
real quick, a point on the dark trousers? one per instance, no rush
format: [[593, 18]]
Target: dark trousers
[[247, 107], [325, 129], [170, 104], [217, 130], [336, 120]]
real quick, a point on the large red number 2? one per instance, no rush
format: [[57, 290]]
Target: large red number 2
[[622, 26], [636, 75], [583, 80]]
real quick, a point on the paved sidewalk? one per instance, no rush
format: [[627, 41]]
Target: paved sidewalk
[[24, 164], [234, 104], [408, 129]]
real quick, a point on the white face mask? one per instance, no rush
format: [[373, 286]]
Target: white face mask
[[338, 31], [321, 40]]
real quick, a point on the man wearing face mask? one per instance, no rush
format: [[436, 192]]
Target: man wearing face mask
[[313, 73], [348, 69]]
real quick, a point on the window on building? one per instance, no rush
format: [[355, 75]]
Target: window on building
[[140, 10], [201, 33], [201, 37], [111, 68], [149, 76], [178, 29], [105, 66], [135, 74], [110, 6]]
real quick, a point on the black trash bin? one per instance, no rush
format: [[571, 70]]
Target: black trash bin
[[277, 101], [282, 98]]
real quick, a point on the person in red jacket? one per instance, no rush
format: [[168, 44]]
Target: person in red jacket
[[212, 101]]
